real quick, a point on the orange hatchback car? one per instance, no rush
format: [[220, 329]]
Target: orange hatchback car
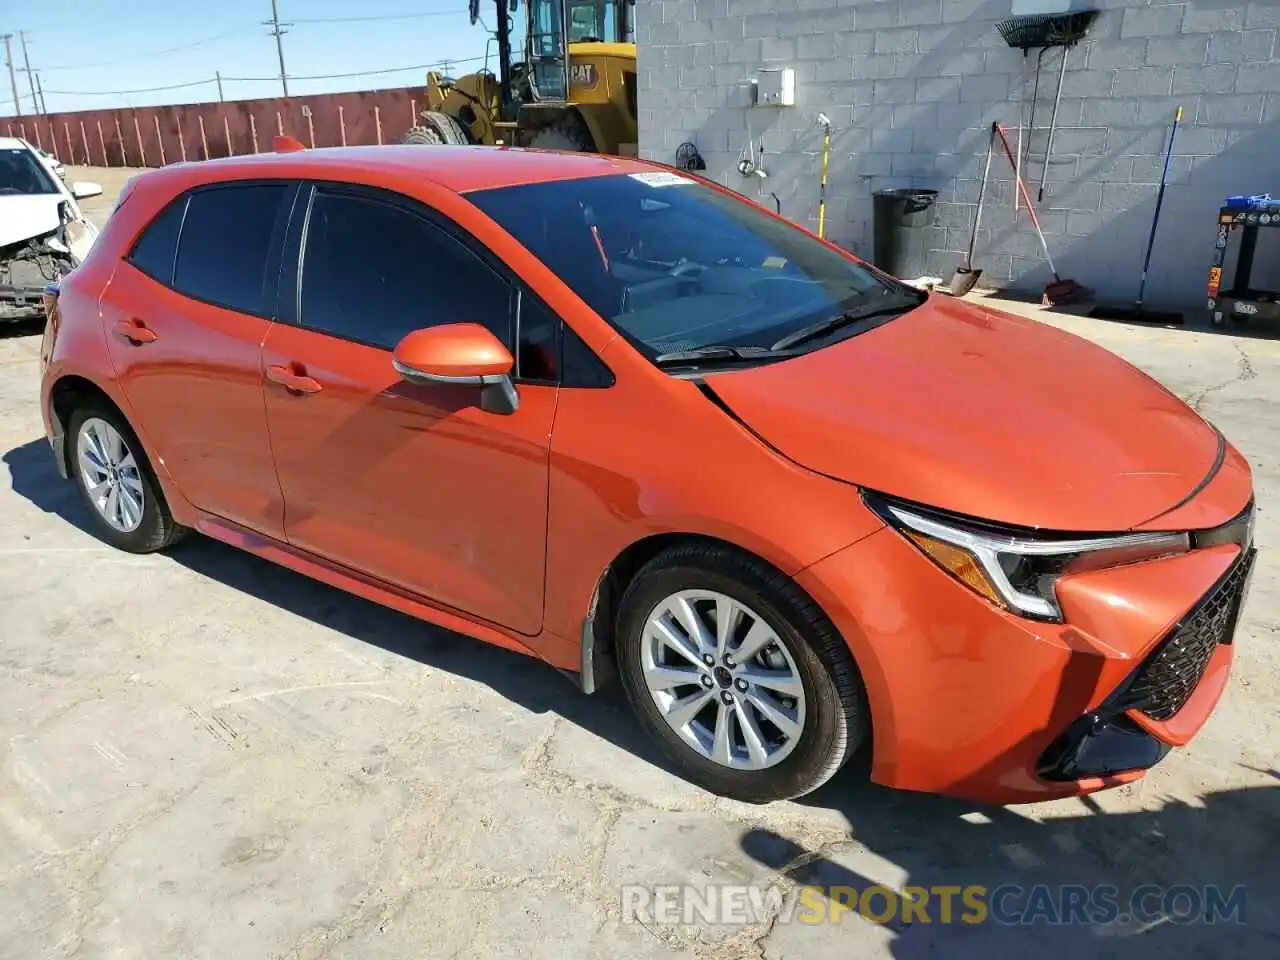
[[626, 421]]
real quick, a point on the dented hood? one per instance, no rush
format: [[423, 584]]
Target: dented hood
[[26, 216], [984, 414]]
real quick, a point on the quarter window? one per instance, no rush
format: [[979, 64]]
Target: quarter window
[[227, 237], [154, 249], [374, 271]]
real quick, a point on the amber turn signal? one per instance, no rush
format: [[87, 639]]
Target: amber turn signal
[[959, 563]]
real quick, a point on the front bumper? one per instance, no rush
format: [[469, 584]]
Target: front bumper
[[971, 701], [1166, 698], [21, 302]]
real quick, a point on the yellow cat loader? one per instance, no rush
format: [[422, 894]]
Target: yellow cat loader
[[572, 87]]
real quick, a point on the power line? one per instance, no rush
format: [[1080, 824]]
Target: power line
[[359, 73], [382, 18], [226, 79], [110, 93], [149, 53]]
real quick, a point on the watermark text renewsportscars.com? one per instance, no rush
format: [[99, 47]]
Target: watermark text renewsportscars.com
[[1007, 904]]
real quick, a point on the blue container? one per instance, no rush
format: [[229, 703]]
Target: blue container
[[1248, 202]]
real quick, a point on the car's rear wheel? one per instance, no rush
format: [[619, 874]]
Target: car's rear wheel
[[737, 673], [116, 481]]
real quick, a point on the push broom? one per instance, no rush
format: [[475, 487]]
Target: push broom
[[1061, 290]]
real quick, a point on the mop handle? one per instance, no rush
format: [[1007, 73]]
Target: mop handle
[[822, 185], [1155, 219], [1031, 211]]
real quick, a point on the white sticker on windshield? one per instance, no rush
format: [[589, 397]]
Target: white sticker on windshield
[[660, 178]]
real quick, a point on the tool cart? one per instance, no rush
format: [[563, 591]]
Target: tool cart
[[1247, 215]]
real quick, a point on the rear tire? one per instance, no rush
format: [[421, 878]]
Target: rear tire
[[820, 691], [435, 129], [422, 136], [116, 481]]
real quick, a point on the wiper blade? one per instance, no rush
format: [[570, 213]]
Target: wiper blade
[[714, 352], [833, 323]]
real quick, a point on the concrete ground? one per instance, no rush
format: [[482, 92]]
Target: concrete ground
[[203, 755]]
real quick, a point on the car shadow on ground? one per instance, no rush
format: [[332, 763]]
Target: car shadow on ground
[[522, 679], [1185, 880], [17, 329], [897, 838]]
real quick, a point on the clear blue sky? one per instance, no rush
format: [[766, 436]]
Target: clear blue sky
[[91, 47]]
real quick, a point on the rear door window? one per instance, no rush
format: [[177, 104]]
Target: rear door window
[[228, 237], [374, 270]]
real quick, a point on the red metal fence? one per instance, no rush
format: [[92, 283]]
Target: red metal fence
[[155, 136]]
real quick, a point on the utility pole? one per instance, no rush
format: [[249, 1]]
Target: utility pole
[[218, 76], [26, 67], [44, 108], [278, 32], [13, 76]]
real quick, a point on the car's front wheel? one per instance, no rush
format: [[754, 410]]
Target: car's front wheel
[[741, 678], [116, 481]]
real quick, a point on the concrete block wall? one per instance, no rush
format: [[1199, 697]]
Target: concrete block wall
[[911, 88]]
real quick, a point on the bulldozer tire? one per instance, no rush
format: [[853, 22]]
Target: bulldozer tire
[[448, 128], [436, 128], [422, 135], [568, 134], [460, 134]]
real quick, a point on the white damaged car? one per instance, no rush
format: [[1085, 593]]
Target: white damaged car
[[44, 234]]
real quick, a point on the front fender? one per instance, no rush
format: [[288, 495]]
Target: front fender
[[680, 466]]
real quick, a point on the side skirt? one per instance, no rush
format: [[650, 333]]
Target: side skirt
[[351, 581]]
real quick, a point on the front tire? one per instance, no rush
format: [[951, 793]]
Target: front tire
[[116, 481], [568, 134], [740, 677]]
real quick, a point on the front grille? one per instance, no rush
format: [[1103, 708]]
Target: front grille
[[1167, 678]]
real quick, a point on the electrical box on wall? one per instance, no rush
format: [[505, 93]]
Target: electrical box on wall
[[776, 87]]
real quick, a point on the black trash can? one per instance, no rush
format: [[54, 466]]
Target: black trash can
[[898, 236]]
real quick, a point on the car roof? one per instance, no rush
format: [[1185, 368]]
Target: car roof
[[8, 143], [457, 168]]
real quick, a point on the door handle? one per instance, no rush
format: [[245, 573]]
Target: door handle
[[136, 332], [292, 381]]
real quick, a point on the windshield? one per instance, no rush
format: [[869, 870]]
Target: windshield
[[593, 20], [676, 265], [21, 172]]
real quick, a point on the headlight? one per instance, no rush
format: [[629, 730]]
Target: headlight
[[1014, 569]]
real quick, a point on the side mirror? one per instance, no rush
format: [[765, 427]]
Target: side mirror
[[462, 354], [84, 189]]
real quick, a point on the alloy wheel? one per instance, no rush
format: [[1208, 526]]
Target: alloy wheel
[[110, 475], [723, 680]]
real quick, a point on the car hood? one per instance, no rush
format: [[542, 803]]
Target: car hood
[[27, 216], [984, 414]]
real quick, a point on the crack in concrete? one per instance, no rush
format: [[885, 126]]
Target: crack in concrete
[[1244, 371]]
